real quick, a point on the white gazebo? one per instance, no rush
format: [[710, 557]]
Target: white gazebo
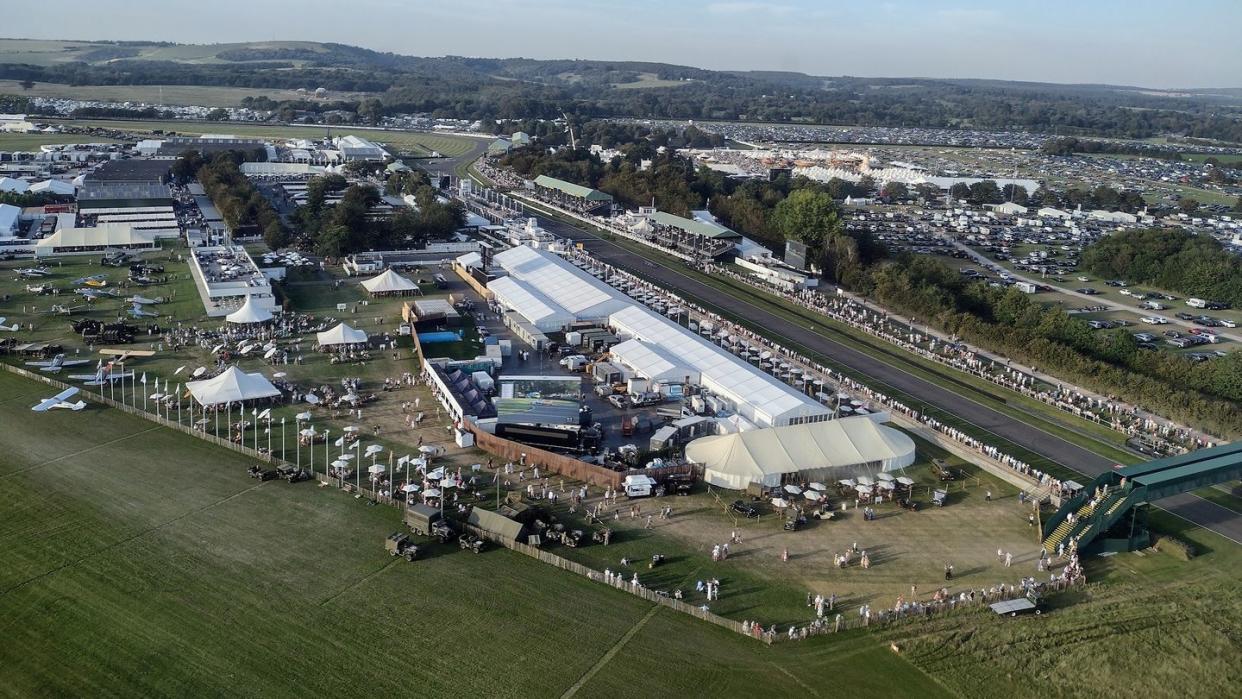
[[249, 313], [342, 334], [232, 386], [390, 283]]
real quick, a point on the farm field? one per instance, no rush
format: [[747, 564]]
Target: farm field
[[418, 142], [187, 578], [50, 52], [207, 96]]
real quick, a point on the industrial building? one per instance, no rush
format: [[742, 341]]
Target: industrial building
[[226, 277], [550, 293]]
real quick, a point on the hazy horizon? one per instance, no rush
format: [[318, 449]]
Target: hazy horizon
[[1140, 43]]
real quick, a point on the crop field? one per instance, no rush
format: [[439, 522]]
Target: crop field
[[51, 52], [420, 143], [207, 96], [152, 561]]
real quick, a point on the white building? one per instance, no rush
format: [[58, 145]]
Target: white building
[[94, 239], [549, 291]]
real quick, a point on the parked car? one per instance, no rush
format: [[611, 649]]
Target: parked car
[[746, 509]]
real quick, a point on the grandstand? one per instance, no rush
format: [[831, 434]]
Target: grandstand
[[572, 196], [1108, 514]]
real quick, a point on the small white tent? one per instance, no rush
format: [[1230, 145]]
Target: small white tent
[[249, 313], [390, 283], [233, 386], [342, 334]]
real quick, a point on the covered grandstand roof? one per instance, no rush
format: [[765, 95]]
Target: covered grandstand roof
[[567, 286], [811, 449], [570, 189], [541, 311], [759, 397], [703, 228]]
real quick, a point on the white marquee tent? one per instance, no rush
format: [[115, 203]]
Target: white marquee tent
[[342, 334], [233, 386], [541, 311], [816, 451], [652, 362], [249, 313], [389, 283], [567, 286]]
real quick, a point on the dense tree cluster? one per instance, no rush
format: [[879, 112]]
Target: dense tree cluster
[[480, 88], [1207, 394], [1168, 258], [242, 205], [347, 227]]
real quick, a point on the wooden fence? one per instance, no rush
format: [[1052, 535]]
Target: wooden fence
[[561, 464]]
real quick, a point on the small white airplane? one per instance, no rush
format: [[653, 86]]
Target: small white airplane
[[33, 272], [11, 328], [120, 355], [62, 310], [105, 374], [142, 301], [138, 312], [39, 289], [60, 400], [55, 364]]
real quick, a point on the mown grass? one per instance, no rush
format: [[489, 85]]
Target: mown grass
[[158, 568]]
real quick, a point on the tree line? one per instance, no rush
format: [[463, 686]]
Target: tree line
[[244, 208], [1168, 258]]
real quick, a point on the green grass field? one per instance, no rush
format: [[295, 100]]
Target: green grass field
[[420, 143], [160, 568], [209, 96], [32, 141]]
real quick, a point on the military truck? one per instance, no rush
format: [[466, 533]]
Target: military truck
[[425, 520], [399, 544]]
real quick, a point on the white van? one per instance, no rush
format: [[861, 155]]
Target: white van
[[637, 485], [1196, 303]]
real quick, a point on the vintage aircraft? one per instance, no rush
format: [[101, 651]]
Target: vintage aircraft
[[105, 374], [33, 272], [121, 355], [11, 328], [144, 301], [59, 309], [60, 400], [97, 280], [40, 289], [55, 364], [137, 311]]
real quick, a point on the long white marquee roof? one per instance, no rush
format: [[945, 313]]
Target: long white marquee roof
[[541, 311], [760, 398], [566, 285]]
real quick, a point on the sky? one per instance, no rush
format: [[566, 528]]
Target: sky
[[1151, 43]]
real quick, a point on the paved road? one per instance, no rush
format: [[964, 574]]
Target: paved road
[[1188, 506]]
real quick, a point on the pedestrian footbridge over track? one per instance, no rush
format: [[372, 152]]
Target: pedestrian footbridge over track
[[1107, 512]]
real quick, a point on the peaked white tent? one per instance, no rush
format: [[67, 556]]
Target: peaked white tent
[[389, 283], [815, 450], [249, 313], [342, 334], [232, 386]]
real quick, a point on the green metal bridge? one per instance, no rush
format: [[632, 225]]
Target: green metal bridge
[[1108, 514]]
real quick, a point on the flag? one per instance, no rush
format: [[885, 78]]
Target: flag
[[143, 380]]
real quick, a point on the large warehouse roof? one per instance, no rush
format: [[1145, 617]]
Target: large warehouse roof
[[571, 189], [544, 313], [703, 228], [760, 398], [764, 456], [567, 286]]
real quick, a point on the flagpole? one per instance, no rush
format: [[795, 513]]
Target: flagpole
[[282, 438]]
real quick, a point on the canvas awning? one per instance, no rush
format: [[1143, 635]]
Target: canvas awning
[[342, 334], [232, 386], [249, 313]]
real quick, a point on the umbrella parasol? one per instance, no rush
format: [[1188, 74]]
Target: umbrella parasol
[[865, 480], [905, 481], [793, 489], [303, 416], [780, 502], [409, 488], [884, 476], [432, 493], [818, 486], [848, 482]]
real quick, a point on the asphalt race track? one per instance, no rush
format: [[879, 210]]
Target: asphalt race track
[[1191, 507]]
